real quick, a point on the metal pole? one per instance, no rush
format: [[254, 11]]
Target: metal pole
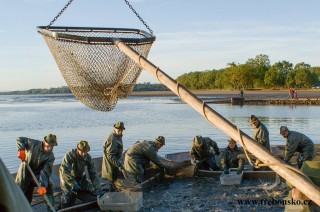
[[38, 184], [300, 182], [81, 206]]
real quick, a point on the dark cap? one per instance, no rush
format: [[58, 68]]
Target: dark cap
[[51, 140], [83, 146], [119, 125], [198, 140], [283, 129], [161, 140], [253, 119], [232, 140]]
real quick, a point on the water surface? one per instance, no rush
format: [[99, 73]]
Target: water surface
[[35, 116]]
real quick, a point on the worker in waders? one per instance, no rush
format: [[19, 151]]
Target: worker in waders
[[230, 158], [112, 169], [140, 154], [203, 152], [39, 156], [261, 136], [297, 142], [73, 180]]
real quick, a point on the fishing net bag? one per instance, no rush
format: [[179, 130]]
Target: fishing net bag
[[96, 71]]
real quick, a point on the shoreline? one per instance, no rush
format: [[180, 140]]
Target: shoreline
[[248, 94]]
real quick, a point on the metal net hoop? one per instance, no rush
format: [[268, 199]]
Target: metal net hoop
[[96, 71]]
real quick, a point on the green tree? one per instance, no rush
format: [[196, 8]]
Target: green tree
[[272, 78], [303, 75], [315, 75], [260, 64], [221, 79], [290, 80], [283, 68]]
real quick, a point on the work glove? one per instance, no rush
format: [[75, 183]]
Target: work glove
[[22, 155], [239, 171], [226, 171], [42, 191]]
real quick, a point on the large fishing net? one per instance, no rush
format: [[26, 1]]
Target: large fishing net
[[96, 71]]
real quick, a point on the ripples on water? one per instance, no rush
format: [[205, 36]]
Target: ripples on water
[[144, 117]]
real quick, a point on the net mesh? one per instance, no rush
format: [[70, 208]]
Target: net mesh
[[97, 72]]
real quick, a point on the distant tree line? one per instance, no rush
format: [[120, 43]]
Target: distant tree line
[[149, 87], [256, 73], [65, 89], [59, 90]]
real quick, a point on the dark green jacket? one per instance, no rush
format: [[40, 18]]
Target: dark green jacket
[[41, 163], [298, 142], [72, 173], [204, 152], [139, 155], [261, 136], [113, 148], [229, 158]]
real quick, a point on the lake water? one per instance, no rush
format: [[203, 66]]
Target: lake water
[[35, 116]]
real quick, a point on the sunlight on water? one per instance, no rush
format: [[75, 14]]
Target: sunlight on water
[[144, 118]]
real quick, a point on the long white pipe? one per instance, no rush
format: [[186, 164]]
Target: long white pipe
[[308, 188]]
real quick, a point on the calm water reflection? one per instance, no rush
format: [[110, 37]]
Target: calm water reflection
[[144, 118]]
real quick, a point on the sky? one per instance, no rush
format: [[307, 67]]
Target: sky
[[191, 35]]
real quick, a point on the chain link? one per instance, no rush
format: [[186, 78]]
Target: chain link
[[60, 13], [135, 12], [127, 2]]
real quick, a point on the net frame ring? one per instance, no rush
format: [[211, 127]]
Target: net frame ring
[[73, 34]]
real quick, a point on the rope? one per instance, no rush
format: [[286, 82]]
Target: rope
[[244, 147], [204, 111], [178, 86], [157, 70]]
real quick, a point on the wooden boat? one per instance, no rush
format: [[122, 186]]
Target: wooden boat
[[249, 172]]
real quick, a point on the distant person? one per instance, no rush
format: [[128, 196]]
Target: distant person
[[230, 158], [312, 170], [112, 169], [297, 142], [241, 93], [73, 180], [203, 153], [39, 156], [295, 94], [291, 93], [140, 154]]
